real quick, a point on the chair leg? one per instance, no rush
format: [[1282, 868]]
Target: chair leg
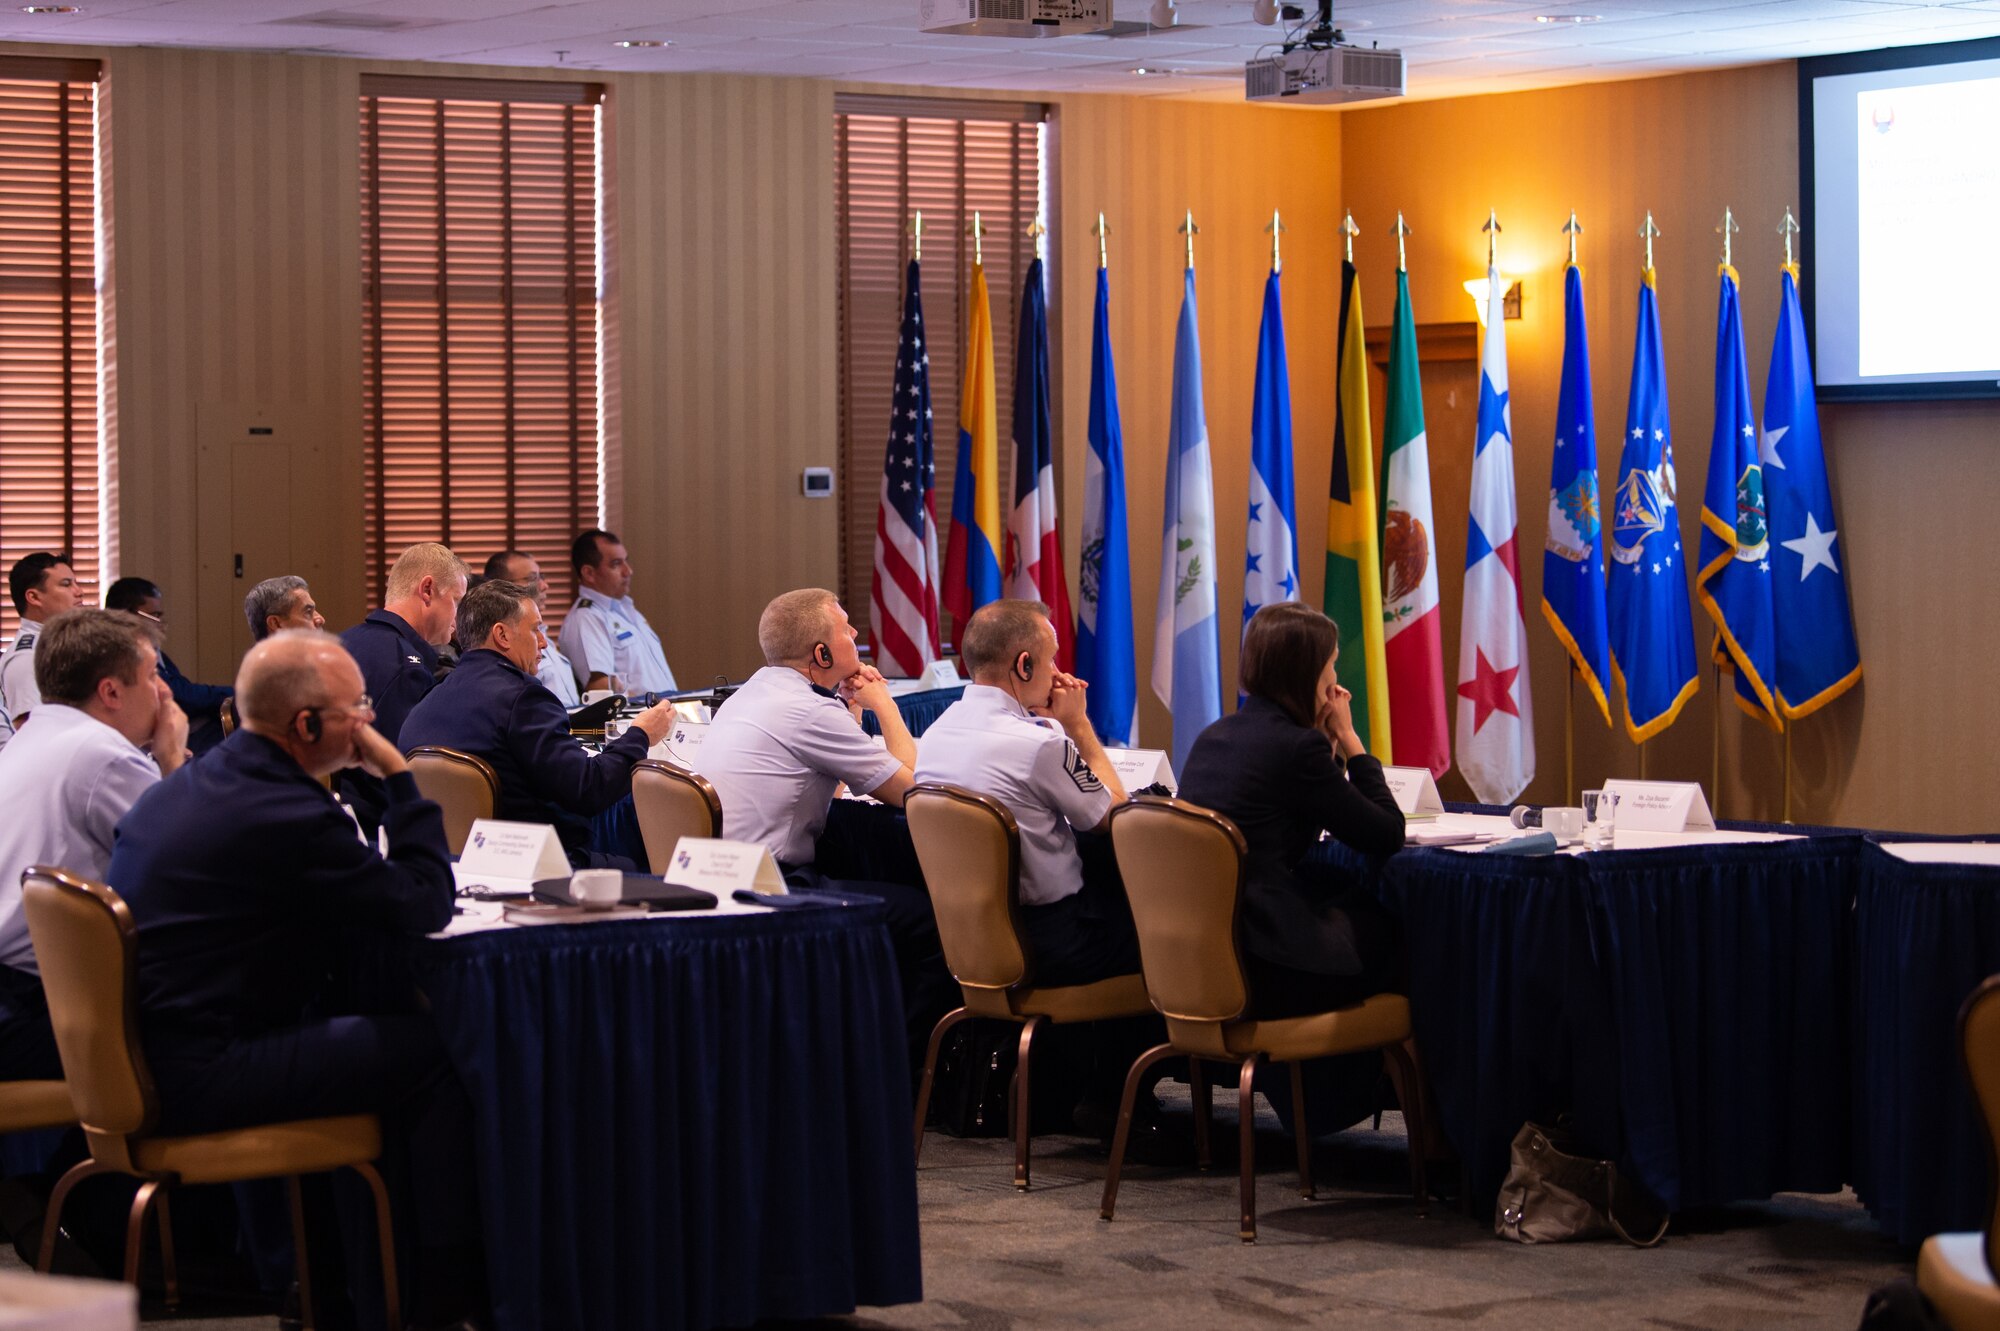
[[299, 1259], [1118, 1139], [945, 1023], [385, 1230], [1299, 1132], [135, 1230], [1246, 1139], [169, 1269], [1022, 1103], [1416, 1117], [76, 1174], [1198, 1091]]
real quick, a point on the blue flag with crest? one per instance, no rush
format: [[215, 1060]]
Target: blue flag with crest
[[1187, 644], [1573, 558], [1651, 624], [1104, 651]]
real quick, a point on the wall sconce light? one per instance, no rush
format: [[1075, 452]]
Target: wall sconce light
[[1511, 302]]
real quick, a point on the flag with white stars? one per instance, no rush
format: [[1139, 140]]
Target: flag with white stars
[[903, 611], [1651, 623], [1496, 718], [1573, 556], [1271, 542], [1818, 657], [1735, 578]]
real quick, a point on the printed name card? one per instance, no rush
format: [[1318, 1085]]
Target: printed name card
[[495, 849], [680, 744], [697, 712], [939, 674], [1416, 794], [723, 867], [1143, 767], [1661, 806]]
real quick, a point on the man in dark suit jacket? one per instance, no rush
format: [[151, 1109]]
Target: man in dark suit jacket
[[493, 707]]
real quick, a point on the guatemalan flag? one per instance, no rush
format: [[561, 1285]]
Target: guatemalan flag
[[1818, 657], [972, 559], [1271, 556], [1187, 645], [1735, 578], [1652, 627], [1036, 568], [1573, 560], [1496, 725], [903, 612], [1104, 648]]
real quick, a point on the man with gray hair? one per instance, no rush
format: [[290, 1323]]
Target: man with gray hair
[[284, 602], [552, 667]]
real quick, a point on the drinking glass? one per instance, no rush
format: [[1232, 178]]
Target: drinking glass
[[1600, 818]]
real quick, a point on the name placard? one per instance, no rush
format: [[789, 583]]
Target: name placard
[[1416, 794], [680, 744], [698, 712], [496, 849], [1661, 806], [939, 674], [1143, 767], [723, 867]]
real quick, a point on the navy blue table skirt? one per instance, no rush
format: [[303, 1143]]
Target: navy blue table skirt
[[918, 710], [685, 1124]]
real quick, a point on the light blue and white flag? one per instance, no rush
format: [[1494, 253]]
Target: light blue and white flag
[[1271, 541], [1104, 649], [1187, 648]]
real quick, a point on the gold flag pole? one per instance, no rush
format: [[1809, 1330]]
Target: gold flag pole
[[917, 236], [978, 231], [1572, 229], [1348, 232], [1277, 228], [1035, 233], [1727, 231], [1647, 232], [1103, 260], [1788, 228], [1788, 774], [1190, 230], [1401, 230], [1492, 230]]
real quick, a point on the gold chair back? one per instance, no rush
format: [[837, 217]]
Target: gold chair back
[[87, 947], [226, 713], [970, 850], [1183, 872], [465, 787], [672, 802], [1979, 1043]]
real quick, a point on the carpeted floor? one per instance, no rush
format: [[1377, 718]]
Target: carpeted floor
[[1358, 1256]]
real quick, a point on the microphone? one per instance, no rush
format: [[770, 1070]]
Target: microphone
[[1524, 816]]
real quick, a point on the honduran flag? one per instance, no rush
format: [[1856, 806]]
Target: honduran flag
[[1035, 567], [972, 558], [1271, 540]]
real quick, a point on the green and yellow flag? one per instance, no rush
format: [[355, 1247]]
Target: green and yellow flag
[[1353, 560]]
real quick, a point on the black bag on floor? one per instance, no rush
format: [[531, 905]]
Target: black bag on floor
[[975, 1070]]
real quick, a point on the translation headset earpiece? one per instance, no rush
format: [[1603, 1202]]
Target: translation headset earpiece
[[822, 656], [1024, 668], [314, 726]]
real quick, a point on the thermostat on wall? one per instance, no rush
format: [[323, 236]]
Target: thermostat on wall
[[817, 483]]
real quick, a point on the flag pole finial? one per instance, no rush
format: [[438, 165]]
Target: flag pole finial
[[1572, 229], [1727, 228], [1492, 230], [1789, 228], [1647, 232], [1101, 231], [977, 230], [1400, 231], [917, 236], [1348, 231], [1190, 230], [1035, 233], [1277, 228]]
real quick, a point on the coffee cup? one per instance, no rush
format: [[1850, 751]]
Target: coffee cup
[[1564, 823], [597, 889]]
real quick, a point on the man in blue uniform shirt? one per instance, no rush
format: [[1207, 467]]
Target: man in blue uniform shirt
[[494, 708], [608, 642], [201, 702], [248, 886], [43, 586]]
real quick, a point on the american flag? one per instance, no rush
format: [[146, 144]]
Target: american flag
[[903, 613]]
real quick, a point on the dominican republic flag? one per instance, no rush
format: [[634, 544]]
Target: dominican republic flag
[[1187, 645], [1353, 594], [972, 558], [1035, 566], [1496, 719], [1734, 583], [1413, 638], [903, 612], [1573, 561], [1271, 553], [1651, 626], [1818, 657], [1105, 658]]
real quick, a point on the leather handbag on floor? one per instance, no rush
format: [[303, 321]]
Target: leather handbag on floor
[[974, 1072], [1551, 1196]]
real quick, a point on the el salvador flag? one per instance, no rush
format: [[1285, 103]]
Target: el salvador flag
[[1187, 646], [1104, 647], [1271, 556]]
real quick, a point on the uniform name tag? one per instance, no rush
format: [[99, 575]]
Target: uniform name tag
[[681, 743], [1416, 794], [496, 849], [724, 867], [1143, 767], [1661, 806]]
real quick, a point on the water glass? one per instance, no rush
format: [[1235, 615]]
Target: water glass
[[1600, 818]]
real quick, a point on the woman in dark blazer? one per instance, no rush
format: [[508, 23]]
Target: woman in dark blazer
[[1284, 768]]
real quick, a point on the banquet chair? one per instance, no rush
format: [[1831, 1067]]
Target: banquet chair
[[672, 802], [1956, 1271], [226, 714], [465, 787], [1184, 868], [87, 945], [970, 849]]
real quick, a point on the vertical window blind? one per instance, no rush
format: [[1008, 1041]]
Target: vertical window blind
[[50, 467], [949, 159], [480, 265]]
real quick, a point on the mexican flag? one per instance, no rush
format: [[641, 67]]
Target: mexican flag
[[1413, 646]]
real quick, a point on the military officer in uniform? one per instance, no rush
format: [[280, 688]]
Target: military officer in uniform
[[608, 642], [43, 586], [551, 666]]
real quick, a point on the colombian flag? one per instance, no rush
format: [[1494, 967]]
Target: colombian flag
[[972, 560]]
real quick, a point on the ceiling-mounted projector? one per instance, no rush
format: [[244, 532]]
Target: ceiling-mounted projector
[[1325, 74], [1013, 18]]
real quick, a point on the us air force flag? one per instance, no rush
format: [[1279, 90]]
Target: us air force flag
[[1104, 651], [1271, 555], [1735, 578], [1818, 657], [1573, 562], [1652, 627], [1187, 648]]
